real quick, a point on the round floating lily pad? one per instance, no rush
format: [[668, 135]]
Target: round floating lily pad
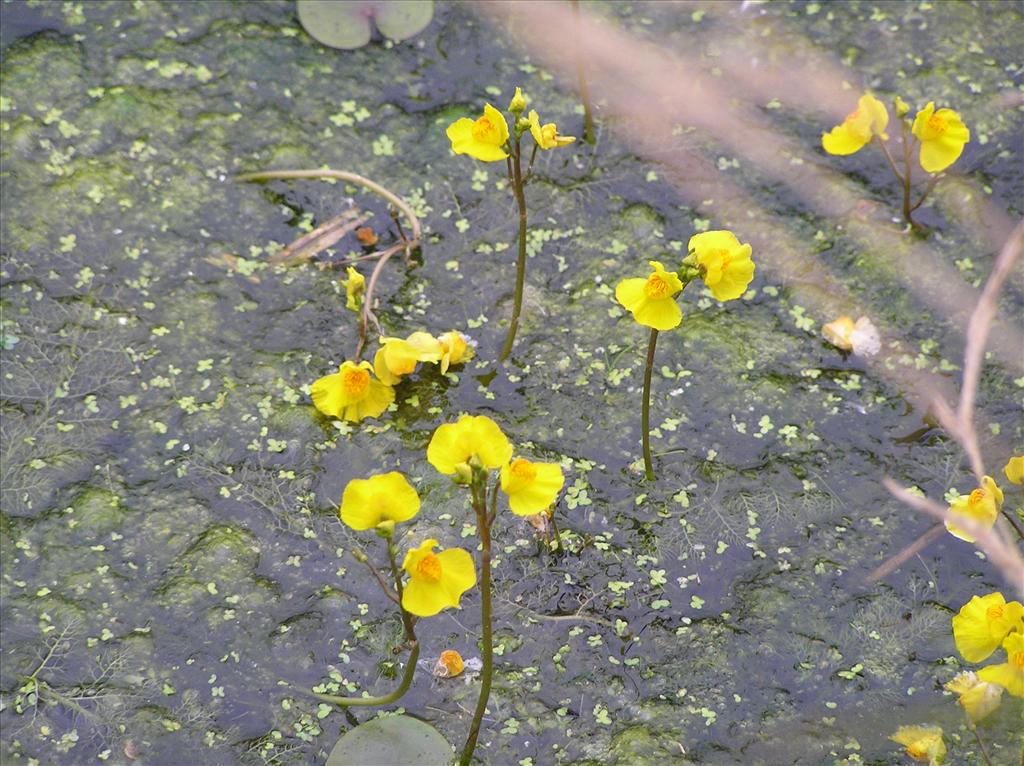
[[402, 19], [394, 739], [345, 24], [336, 24]]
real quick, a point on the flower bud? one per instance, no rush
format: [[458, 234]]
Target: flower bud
[[901, 107], [463, 473], [518, 103]]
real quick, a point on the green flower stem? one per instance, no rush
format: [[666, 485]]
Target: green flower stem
[[408, 621], [645, 425], [517, 187], [984, 752], [484, 526], [907, 209], [927, 190], [387, 699]]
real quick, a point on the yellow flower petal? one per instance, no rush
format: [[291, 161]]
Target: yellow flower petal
[[942, 135], [380, 369], [1010, 674], [1014, 469], [870, 118], [630, 292], [531, 487], [547, 136], [844, 139], [366, 503], [481, 139], [471, 437], [355, 285], [838, 332], [725, 263], [659, 314], [651, 300], [436, 581], [923, 743], [455, 349], [351, 393], [982, 624], [978, 698], [426, 346], [982, 506]]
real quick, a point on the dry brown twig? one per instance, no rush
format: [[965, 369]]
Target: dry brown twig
[[960, 424], [995, 542], [333, 230]]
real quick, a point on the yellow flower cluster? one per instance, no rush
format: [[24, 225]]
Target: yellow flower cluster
[[984, 624], [353, 393], [716, 256], [437, 581], [487, 137], [476, 442], [941, 134]]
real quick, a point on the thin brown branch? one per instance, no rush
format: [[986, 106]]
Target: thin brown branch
[[897, 560], [344, 175], [321, 238], [961, 423], [1003, 554]]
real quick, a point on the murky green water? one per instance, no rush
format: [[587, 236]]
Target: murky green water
[[169, 491]]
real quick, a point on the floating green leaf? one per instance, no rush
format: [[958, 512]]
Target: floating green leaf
[[345, 24], [392, 739]]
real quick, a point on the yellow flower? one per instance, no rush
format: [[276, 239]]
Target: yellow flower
[[436, 581], [978, 698], [867, 120], [651, 300], [547, 136], [386, 497], [900, 106], [355, 285], [449, 664], [397, 357], [455, 349], [923, 743], [472, 437], [1010, 674], [982, 506], [1014, 469], [942, 135], [483, 138], [860, 338], [518, 103], [982, 624], [352, 393], [531, 487], [724, 262]]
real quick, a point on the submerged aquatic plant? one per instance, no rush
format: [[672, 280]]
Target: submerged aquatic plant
[[716, 257], [981, 626], [939, 136], [488, 139]]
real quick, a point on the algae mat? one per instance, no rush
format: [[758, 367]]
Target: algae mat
[[174, 573]]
